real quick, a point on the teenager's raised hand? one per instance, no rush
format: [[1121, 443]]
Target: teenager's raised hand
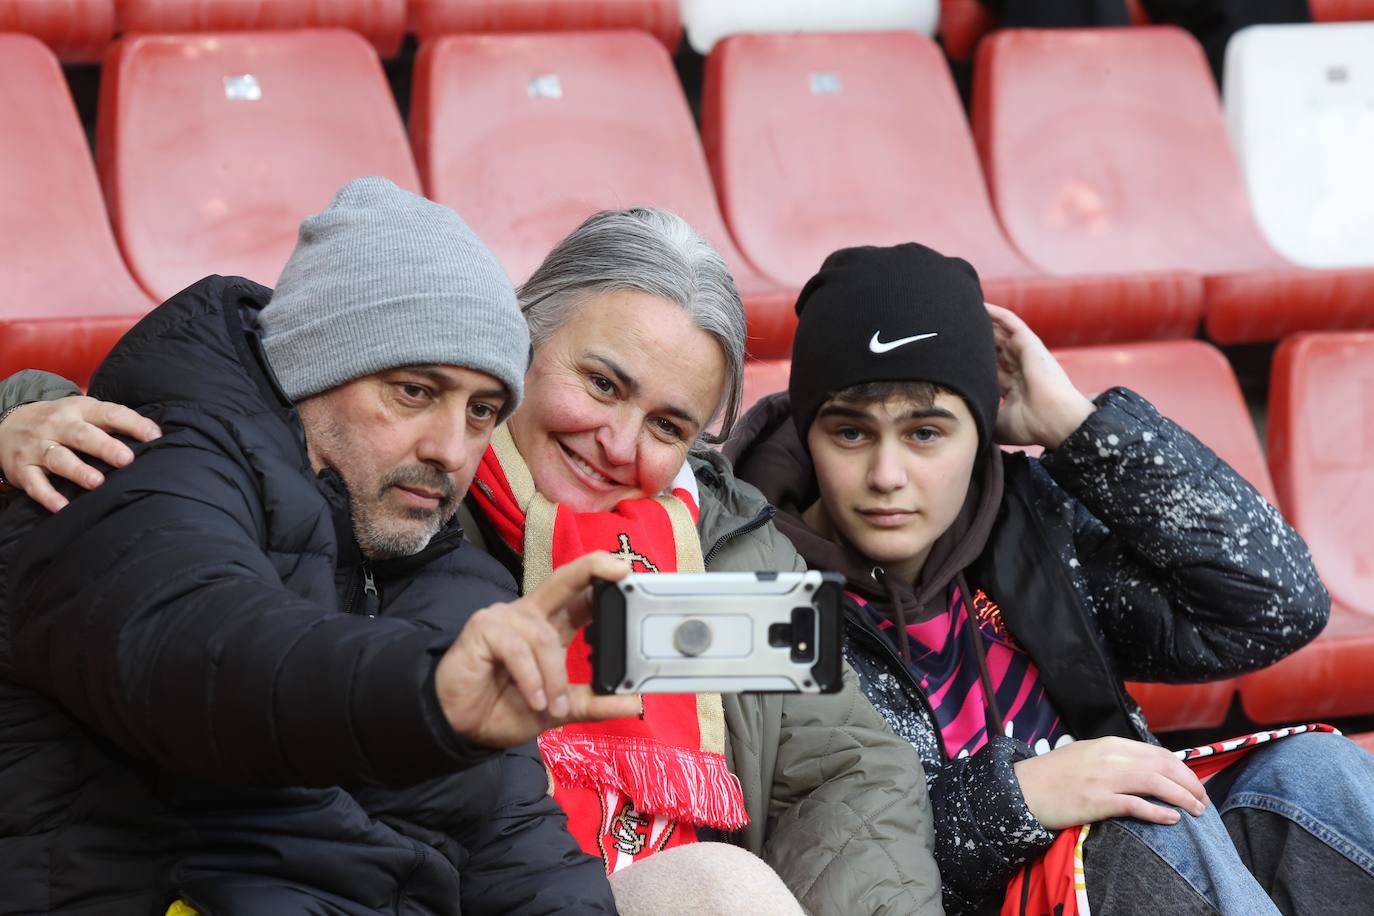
[[49, 437], [1040, 405], [505, 679], [1084, 782]]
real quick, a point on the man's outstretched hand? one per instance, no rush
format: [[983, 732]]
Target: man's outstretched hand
[[505, 679]]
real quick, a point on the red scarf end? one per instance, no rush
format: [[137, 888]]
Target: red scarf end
[[696, 787]]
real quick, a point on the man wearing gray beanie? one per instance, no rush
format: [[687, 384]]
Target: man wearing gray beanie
[[258, 671]]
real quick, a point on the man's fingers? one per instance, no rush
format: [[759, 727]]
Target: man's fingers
[[551, 654], [34, 482], [121, 420], [589, 707], [512, 651], [570, 579]]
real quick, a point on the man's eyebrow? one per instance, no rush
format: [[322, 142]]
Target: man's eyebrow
[[440, 378], [855, 413], [632, 387]]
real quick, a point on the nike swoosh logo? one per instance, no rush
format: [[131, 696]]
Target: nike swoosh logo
[[878, 346]]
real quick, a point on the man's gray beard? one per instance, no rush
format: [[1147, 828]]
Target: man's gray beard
[[379, 543], [376, 540]]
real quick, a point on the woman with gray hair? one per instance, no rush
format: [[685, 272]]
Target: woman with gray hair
[[638, 348]]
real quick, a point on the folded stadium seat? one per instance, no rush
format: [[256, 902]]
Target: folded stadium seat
[[1105, 150], [67, 294], [906, 169], [1321, 449], [528, 135], [660, 18], [212, 148], [1299, 104], [708, 21], [1340, 10], [1191, 383], [76, 30], [383, 22], [964, 22]]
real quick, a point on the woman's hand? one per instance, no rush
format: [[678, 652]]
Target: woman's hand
[[1040, 406], [505, 679], [45, 437], [1084, 782]]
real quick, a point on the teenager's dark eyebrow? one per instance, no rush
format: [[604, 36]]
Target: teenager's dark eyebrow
[[840, 410], [927, 413], [631, 386]]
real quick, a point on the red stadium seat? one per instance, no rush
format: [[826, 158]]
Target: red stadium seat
[[77, 30], [1105, 150], [1341, 10], [68, 296], [213, 148], [1191, 383], [660, 18], [1321, 448], [383, 22], [528, 135], [964, 22], [906, 170]]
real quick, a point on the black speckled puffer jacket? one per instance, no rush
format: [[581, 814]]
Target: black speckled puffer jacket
[[1131, 552]]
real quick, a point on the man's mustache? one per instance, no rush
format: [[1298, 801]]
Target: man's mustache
[[421, 477]]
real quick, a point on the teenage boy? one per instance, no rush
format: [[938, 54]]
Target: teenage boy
[[996, 602]]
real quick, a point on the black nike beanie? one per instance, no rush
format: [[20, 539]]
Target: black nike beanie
[[901, 314]]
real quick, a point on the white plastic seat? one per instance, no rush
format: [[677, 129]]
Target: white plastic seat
[[1300, 110], [708, 21]]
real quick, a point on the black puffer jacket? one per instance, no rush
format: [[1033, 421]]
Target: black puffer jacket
[[1129, 552], [197, 701]]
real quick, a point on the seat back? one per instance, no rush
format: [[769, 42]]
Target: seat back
[[708, 21], [76, 30], [905, 170], [1188, 381], [1321, 450], [68, 295], [383, 22], [212, 148], [1105, 151], [1191, 383], [1341, 10], [660, 18], [1300, 109], [526, 136]]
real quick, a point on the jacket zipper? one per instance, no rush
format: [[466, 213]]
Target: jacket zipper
[[913, 690], [764, 517], [371, 596]]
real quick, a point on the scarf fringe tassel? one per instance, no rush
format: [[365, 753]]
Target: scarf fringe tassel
[[691, 786]]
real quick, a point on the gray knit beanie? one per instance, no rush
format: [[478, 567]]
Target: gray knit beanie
[[384, 279]]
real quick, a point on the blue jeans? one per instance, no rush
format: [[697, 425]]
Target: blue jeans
[[1290, 830]]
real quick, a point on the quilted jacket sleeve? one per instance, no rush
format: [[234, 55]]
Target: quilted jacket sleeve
[[1193, 575], [29, 385], [149, 609], [850, 824], [526, 834]]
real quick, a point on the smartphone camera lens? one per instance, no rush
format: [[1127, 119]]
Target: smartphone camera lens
[[803, 635]]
